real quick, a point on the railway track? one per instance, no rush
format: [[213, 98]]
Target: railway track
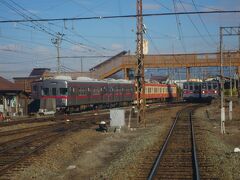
[[13, 153], [74, 115], [178, 157], [182, 154]]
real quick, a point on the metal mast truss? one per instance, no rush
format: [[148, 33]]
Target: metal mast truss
[[139, 73]]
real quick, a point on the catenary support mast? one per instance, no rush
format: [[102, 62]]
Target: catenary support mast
[[139, 73]]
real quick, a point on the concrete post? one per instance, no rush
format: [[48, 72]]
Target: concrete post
[[223, 120], [230, 110]]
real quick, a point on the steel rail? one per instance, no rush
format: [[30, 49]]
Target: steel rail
[[194, 151], [51, 137], [156, 164]]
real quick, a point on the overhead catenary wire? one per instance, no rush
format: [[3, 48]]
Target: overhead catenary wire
[[162, 5], [179, 28], [70, 30], [204, 25], [203, 6], [39, 26], [120, 16], [194, 25]]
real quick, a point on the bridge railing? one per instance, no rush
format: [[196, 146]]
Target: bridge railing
[[164, 61]]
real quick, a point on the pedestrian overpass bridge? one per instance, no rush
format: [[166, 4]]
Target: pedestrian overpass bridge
[[124, 62]]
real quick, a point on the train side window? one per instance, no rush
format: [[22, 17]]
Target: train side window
[[84, 91], [190, 87], [63, 91], [45, 91], [81, 91], [185, 86], [54, 91]]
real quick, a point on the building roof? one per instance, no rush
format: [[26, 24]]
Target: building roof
[[38, 71], [6, 85]]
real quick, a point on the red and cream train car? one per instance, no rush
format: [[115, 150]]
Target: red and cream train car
[[82, 93]]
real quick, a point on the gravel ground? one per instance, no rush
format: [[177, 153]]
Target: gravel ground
[[94, 155], [221, 147]]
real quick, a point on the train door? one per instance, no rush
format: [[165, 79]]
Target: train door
[[197, 90], [210, 90], [89, 93], [105, 93]]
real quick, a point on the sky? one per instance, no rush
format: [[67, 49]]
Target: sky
[[28, 45]]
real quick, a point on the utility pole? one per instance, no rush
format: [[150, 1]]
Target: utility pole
[[222, 83], [139, 72], [57, 42]]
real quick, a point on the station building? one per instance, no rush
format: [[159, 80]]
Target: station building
[[13, 100]]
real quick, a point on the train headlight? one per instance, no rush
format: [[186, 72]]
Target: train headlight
[[215, 92], [203, 92]]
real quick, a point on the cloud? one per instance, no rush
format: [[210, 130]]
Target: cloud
[[11, 47], [181, 7], [117, 46], [42, 50], [77, 48], [151, 7]]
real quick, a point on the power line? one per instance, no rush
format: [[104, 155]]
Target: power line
[[91, 57], [161, 4], [120, 16], [39, 26], [203, 6], [179, 27], [204, 25], [194, 25]]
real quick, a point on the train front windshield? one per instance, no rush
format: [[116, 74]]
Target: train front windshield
[[196, 87]]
